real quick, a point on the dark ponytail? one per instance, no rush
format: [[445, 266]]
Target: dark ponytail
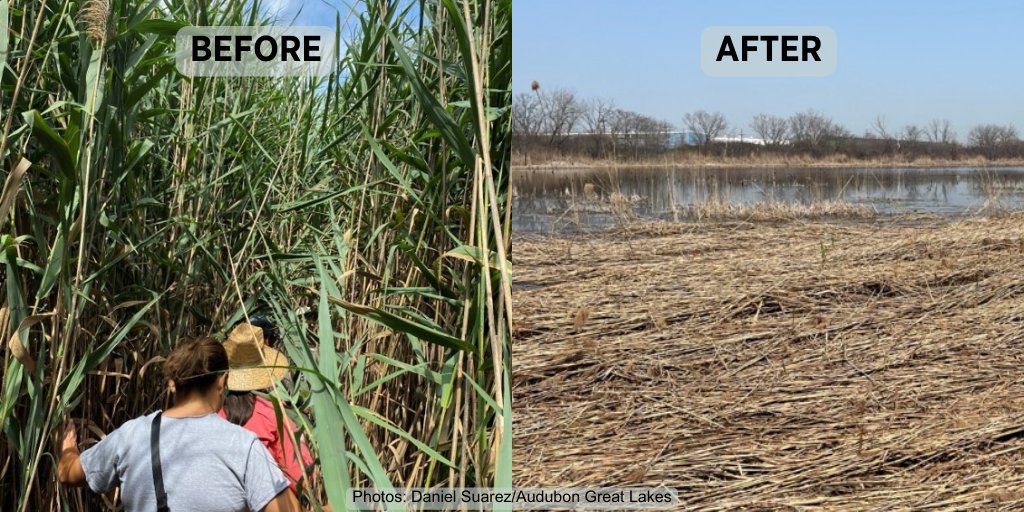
[[194, 365], [238, 406]]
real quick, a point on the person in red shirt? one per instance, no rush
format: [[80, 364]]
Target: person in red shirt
[[254, 365]]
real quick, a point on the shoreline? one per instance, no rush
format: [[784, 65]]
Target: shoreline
[[768, 164]]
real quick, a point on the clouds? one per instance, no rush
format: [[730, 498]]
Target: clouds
[[277, 7]]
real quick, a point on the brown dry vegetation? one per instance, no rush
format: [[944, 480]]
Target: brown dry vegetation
[[623, 209], [520, 161], [777, 210], [845, 365]]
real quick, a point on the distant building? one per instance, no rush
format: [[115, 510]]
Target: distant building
[[741, 139], [688, 138]]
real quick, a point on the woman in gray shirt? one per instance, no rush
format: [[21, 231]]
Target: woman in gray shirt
[[200, 461]]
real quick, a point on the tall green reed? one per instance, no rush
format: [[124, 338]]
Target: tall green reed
[[159, 206]]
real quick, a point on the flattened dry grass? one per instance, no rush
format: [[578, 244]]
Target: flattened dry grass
[[777, 210], [623, 211], [624, 208], [855, 365]]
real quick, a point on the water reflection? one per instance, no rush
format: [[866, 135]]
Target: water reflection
[[563, 198]]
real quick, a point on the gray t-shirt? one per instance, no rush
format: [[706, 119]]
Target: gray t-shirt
[[209, 465]]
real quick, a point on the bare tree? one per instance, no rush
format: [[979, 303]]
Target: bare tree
[[636, 133], [619, 122], [879, 128], [813, 128], [527, 119], [627, 129], [803, 127], [992, 138], [597, 114], [622, 126], [939, 130], [656, 133], [835, 130], [561, 112], [597, 119], [706, 125], [911, 133], [987, 135], [771, 129]]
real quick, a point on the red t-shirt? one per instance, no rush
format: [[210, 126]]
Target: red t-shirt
[[263, 423]]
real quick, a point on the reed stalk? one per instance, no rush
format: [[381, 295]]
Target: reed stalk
[[159, 206]]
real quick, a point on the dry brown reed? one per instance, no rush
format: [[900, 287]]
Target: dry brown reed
[[853, 365], [95, 16], [624, 209], [777, 210], [695, 160]]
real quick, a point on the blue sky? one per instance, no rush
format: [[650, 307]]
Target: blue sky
[[911, 61], [311, 12]]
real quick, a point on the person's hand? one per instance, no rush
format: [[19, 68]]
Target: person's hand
[[70, 441], [69, 468]]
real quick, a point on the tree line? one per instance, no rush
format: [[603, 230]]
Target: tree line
[[558, 123]]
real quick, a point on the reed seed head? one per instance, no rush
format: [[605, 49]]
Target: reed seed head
[[95, 15]]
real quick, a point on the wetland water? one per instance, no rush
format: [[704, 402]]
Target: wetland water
[[566, 199]]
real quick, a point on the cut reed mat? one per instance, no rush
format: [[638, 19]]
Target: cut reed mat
[[776, 210], [855, 365]]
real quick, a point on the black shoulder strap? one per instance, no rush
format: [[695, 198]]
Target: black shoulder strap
[[158, 472]]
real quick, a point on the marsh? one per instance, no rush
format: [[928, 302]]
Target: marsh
[[568, 199]]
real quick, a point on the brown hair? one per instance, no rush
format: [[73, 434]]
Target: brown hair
[[195, 364], [238, 406]]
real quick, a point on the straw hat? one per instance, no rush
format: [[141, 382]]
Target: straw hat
[[252, 364]]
